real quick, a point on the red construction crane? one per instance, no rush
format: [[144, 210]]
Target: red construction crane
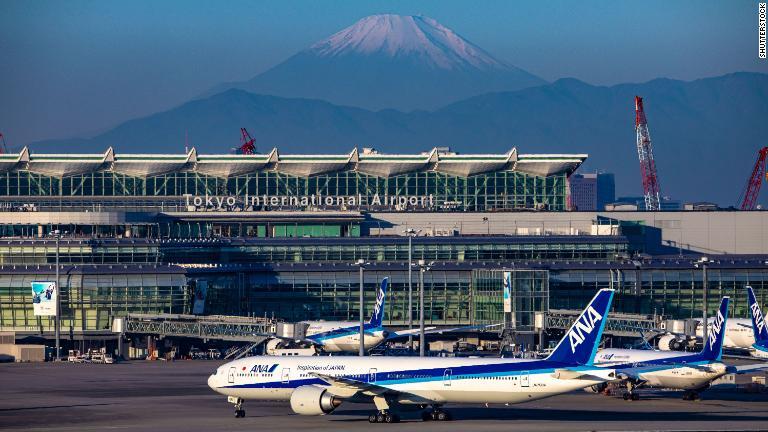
[[247, 144], [752, 190], [4, 148], [651, 191]]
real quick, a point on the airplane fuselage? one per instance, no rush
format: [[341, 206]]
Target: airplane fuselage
[[663, 369], [416, 381], [344, 336]]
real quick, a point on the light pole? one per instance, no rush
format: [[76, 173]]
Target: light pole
[[410, 232], [703, 262], [361, 265], [487, 223], [423, 267], [57, 321]]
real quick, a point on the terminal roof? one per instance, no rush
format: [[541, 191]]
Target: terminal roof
[[230, 165]]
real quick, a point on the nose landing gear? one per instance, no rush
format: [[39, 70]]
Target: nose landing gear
[[239, 410]]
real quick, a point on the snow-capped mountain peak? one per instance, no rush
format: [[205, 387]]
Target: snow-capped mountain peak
[[402, 36]]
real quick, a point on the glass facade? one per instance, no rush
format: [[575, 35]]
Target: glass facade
[[91, 301], [499, 190], [468, 296]]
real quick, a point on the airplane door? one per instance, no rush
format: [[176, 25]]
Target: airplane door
[[286, 375], [525, 379], [372, 375], [231, 375], [447, 378]]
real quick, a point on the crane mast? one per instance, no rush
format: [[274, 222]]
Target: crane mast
[[247, 144], [752, 190], [651, 193]]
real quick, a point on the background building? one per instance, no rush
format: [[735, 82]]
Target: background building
[[276, 235], [592, 191]]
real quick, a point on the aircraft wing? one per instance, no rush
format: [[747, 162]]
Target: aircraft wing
[[289, 339], [437, 330], [348, 387], [742, 369]]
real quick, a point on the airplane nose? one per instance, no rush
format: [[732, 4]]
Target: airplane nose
[[212, 381]]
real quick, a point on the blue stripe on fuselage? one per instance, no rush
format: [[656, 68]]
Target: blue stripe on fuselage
[[434, 374]]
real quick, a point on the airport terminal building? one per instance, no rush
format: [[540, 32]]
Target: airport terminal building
[[278, 235]]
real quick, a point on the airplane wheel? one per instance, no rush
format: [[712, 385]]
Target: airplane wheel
[[635, 396], [442, 416], [426, 416], [380, 418], [239, 413], [372, 418], [389, 418], [434, 415], [625, 396]]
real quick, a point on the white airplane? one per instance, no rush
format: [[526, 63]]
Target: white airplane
[[344, 336], [738, 335], [691, 372], [318, 385]]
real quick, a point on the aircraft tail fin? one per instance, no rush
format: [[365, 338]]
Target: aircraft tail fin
[[713, 346], [378, 310], [579, 345], [758, 320]]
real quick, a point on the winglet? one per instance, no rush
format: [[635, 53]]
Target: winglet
[[758, 320], [378, 310], [713, 346], [579, 344]]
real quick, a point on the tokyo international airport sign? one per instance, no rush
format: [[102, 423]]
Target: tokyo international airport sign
[[44, 298], [507, 284]]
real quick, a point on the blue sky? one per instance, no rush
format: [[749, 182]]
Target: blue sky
[[77, 67]]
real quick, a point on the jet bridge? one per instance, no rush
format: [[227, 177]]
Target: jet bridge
[[210, 327], [619, 324]]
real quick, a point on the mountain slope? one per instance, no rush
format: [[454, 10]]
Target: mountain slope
[[390, 61], [705, 132]]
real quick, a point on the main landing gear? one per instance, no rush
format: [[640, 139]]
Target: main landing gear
[[630, 393], [691, 395], [436, 414], [239, 410], [631, 396], [383, 417]]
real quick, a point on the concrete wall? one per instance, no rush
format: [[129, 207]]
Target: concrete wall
[[23, 353], [726, 232]]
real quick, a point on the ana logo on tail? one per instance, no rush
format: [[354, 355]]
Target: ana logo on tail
[[583, 326], [379, 301], [380, 297], [717, 325], [758, 315]]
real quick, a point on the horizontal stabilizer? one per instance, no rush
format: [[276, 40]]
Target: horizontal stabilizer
[[569, 374], [742, 369]]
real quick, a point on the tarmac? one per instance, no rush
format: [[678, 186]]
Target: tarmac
[[170, 396]]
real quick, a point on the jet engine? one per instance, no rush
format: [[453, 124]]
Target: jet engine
[[670, 342], [312, 400]]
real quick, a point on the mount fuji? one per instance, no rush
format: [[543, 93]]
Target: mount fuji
[[389, 61]]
